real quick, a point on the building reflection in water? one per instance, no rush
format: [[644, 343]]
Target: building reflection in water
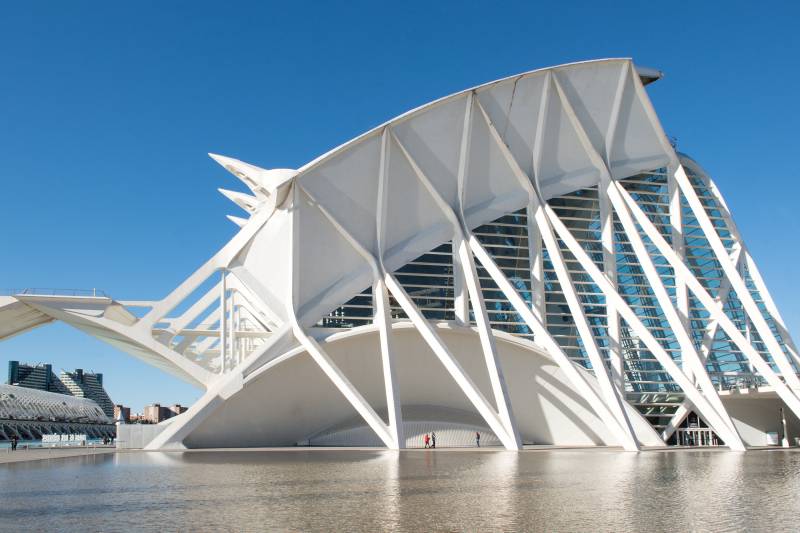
[[421, 490]]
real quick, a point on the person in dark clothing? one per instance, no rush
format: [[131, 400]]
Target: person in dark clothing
[[478, 439], [14, 440], [433, 439]]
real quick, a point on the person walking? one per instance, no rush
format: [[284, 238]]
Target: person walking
[[478, 439], [433, 439], [14, 440], [427, 440]]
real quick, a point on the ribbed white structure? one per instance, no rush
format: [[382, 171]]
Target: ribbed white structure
[[382, 275]]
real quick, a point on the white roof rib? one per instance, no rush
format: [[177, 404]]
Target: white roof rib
[[563, 127]]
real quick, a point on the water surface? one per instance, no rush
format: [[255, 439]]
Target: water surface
[[559, 490]]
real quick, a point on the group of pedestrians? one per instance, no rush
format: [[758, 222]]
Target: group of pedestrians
[[430, 440]]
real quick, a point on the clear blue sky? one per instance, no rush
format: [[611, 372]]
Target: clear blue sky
[[107, 111]]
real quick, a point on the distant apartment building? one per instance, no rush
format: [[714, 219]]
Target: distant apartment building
[[80, 384], [157, 413], [37, 376], [88, 385]]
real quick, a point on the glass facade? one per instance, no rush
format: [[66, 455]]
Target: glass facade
[[429, 281]]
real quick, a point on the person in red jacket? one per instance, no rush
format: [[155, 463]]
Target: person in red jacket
[[427, 440]]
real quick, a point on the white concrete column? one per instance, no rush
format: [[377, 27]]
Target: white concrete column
[[223, 310]]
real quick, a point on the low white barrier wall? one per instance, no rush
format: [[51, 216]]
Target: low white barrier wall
[[137, 436]]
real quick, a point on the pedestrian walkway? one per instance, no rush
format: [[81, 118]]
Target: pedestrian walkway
[[39, 454]]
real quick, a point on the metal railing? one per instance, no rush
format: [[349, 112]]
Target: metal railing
[[38, 291]]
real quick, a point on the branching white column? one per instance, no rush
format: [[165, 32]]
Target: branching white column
[[547, 341], [607, 237], [614, 403], [612, 396], [450, 363], [496, 378], [635, 323], [383, 315], [712, 307], [688, 351], [464, 260]]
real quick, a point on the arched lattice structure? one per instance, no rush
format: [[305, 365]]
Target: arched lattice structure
[[29, 413], [546, 212]]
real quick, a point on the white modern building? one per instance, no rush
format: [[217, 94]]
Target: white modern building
[[529, 259], [30, 414]]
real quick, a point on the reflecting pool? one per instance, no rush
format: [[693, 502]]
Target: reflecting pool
[[423, 490]]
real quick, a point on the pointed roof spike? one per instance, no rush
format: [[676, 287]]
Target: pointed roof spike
[[261, 181], [245, 201], [249, 174], [239, 221]]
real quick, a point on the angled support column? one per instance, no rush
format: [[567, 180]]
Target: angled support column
[[337, 377], [450, 363], [347, 389], [536, 262], [720, 421], [755, 274], [712, 327], [711, 305], [393, 403], [680, 415], [496, 378], [223, 388], [706, 346], [464, 261], [610, 269], [742, 292], [688, 351], [383, 315], [468, 271], [612, 396], [460, 291], [752, 268], [546, 340], [635, 323], [614, 404]]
